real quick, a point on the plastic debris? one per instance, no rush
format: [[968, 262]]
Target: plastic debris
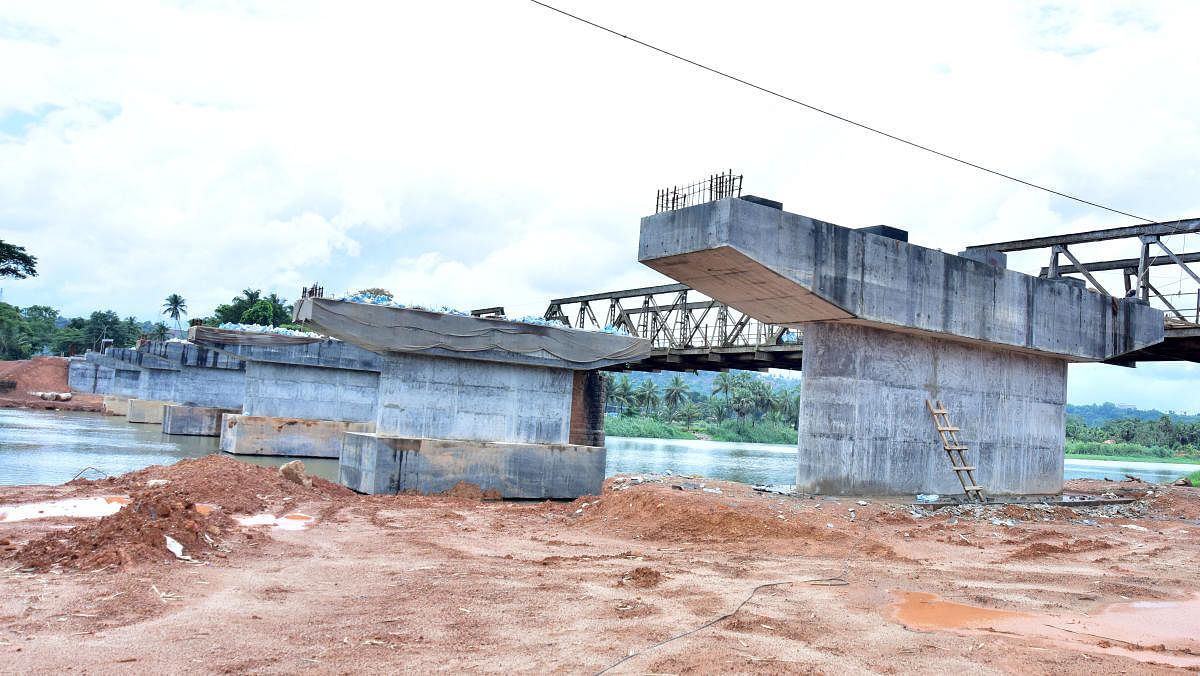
[[176, 548], [928, 497], [259, 328], [711, 490]]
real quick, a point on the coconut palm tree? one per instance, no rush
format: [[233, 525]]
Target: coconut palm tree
[[159, 332], [676, 392], [724, 384], [646, 394], [620, 391], [175, 306]]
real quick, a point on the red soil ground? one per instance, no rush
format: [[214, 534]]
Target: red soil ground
[[380, 584], [42, 374]]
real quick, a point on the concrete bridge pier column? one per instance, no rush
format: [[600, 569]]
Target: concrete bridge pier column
[[865, 428]]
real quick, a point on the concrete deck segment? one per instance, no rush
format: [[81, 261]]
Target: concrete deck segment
[[492, 402], [888, 325], [789, 269]]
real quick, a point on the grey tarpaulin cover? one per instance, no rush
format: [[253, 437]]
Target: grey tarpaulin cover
[[381, 328], [211, 334]]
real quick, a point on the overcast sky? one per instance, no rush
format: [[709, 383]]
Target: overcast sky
[[487, 153]]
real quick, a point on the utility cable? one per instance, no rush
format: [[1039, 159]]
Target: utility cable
[[835, 116], [838, 580]]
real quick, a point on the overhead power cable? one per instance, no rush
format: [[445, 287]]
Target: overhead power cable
[[835, 116]]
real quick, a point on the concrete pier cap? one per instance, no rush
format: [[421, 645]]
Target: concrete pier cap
[[888, 324], [502, 404]]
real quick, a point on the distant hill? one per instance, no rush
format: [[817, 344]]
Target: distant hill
[[1097, 414]]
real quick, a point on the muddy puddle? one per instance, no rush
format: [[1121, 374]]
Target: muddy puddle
[[1166, 632]]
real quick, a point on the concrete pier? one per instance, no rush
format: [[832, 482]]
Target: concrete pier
[[300, 437], [147, 410], [196, 421], [485, 401], [887, 325], [299, 396]]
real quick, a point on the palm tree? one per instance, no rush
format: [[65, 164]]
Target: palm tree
[[646, 394], [174, 307], [159, 333], [620, 391], [676, 392], [724, 384], [689, 412]]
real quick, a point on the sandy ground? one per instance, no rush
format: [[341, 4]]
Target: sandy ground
[[43, 374], [382, 584]]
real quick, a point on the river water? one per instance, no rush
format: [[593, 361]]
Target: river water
[[52, 447]]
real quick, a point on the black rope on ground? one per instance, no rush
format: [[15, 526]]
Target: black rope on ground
[[91, 468], [838, 580]]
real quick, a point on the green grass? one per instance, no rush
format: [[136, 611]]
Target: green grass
[[727, 430], [1133, 458], [753, 432], [646, 428], [1195, 477]]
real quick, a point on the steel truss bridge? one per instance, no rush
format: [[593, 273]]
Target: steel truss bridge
[[687, 330]]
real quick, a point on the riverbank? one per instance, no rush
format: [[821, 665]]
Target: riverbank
[[755, 432], [447, 583], [20, 380], [1134, 458]]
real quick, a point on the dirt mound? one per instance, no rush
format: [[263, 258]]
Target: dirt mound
[[233, 486], [643, 577], [469, 491], [191, 501], [135, 534], [656, 512], [1041, 549]]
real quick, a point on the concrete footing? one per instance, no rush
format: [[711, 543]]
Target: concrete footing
[[197, 421], [262, 435], [115, 404], [147, 410], [374, 463]]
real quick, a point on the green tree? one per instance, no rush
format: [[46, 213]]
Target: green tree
[[675, 393], [233, 311], [646, 394], [41, 326], [689, 411], [160, 332], [101, 326], [620, 391], [262, 312], [14, 342], [724, 384], [15, 263], [174, 306]]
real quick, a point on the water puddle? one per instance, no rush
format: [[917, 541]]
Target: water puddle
[[294, 521], [1151, 631], [920, 610], [73, 507]]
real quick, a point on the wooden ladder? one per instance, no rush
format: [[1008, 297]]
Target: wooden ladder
[[956, 451]]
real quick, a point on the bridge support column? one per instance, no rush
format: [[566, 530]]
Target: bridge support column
[[865, 428]]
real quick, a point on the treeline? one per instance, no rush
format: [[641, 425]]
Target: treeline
[[738, 407], [41, 330], [1132, 437], [38, 329]]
